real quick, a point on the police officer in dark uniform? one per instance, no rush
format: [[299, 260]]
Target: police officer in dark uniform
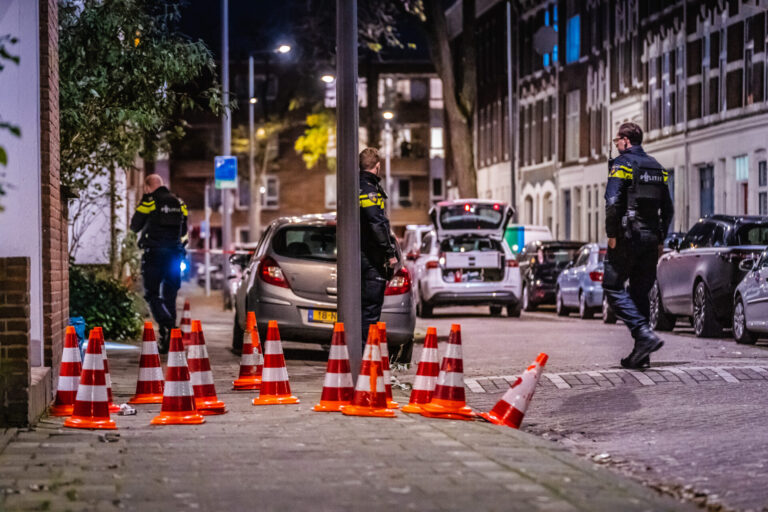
[[161, 217], [638, 211], [378, 256]]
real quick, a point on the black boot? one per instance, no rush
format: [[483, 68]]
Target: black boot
[[165, 339], [646, 342], [644, 364]]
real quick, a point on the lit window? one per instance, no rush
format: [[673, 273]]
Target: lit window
[[573, 40], [742, 168]]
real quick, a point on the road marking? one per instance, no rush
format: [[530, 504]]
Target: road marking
[[761, 371], [727, 377], [557, 380], [642, 378], [474, 386]]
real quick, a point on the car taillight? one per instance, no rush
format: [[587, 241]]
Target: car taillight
[[512, 263], [596, 276], [400, 283], [737, 256], [432, 264], [271, 273]]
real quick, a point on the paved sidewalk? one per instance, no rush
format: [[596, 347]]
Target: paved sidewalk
[[290, 458]]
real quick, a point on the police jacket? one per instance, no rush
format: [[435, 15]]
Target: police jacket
[[636, 196], [161, 217], [376, 243]]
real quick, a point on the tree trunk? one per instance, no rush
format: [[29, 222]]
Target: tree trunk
[[460, 99], [114, 260]]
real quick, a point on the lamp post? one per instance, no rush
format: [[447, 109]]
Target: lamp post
[[388, 116], [254, 177]]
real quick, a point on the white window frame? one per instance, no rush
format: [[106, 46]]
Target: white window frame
[[270, 201], [572, 125], [400, 198], [240, 230]]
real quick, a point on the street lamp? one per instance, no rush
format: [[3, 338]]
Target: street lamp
[[254, 210], [388, 115], [328, 78]]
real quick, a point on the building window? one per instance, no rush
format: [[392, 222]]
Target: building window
[[680, 83], [526, 135], [705, 61], [742, 167], [762, 176], [437, 188], [749, 97], [270, 193], [762, 182], [535, 139], [706, 190], [436, 93], [573, 42], [436, 147], [572, 128], [404, 192], [723, 70], [243, 195], [330, 191], [546, 150], [243, 235], [763, 200]]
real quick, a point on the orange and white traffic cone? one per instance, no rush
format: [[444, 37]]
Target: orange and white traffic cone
[[258, 348], [391, 404], [91, 409], [510, 410], [370, 399], [275, 387], [178, 398], [149, 386], [448, 400], [249, 378], [426, 375], [186, 324], [113, 407], [69, 375], [337, 387], [200, 374]]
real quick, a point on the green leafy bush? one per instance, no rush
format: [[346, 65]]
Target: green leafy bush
[[104, 301]]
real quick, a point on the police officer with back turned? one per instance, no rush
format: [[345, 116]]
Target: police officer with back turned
[[161, 217], [638, 211], [378, 256]]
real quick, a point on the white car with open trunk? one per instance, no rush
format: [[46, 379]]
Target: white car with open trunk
[[464, 260]]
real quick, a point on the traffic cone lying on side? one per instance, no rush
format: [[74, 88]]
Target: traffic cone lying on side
[[113, 407], [91, 408], [69, 375], [510, 410], [249, 377], [391, 404], [337, 387], [200, 374], [178, 398], [149, 386], [448, 400], [370, 399], [275, 388], [186, 324], [426, 375]]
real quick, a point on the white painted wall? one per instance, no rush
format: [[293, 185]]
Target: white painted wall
[[21, 222]]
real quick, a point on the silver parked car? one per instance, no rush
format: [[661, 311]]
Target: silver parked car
[[464, 260], [580, 284], [750, 301], [292, 279]]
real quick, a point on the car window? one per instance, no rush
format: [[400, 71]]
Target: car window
[[471, 216], [752, 234], [306, 242], [698, 236], [426, 244], [410, 241], [583, 258], [560, 256], [718, 237], [764, 260]]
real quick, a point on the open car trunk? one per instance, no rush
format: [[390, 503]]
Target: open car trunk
[[471, 258]]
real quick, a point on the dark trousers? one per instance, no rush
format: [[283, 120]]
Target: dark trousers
[[161, 271], [373, 286], [634, 261]]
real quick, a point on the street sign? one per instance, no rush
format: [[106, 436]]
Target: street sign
[[225, 171]]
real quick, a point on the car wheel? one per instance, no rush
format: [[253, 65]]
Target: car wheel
[[513, 310], [559, 306], [705, 325], [609, 317], [402, 354], [237, 336], [423, 309], [527, 304], [740, 331], [660, 320], [585, 312], [496, 310]]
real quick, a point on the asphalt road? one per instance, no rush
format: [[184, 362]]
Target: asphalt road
[[693, 426]]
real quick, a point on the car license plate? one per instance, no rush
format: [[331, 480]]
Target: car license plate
[[323, 317]]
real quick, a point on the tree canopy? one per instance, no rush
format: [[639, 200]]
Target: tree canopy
[[5, 56]]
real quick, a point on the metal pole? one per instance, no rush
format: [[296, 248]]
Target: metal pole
[[512, 129], [348, 179], [226, 139], [388, 163], [253, 207], [207, 241]]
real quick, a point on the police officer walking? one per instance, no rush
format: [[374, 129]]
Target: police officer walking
[[638, 211], [161, 217], [378, 256]]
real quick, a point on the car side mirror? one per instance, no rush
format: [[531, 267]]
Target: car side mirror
[[747, 265]]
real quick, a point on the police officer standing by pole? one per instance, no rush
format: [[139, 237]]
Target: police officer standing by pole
[[638, 211], [378, 256], [161, 217]]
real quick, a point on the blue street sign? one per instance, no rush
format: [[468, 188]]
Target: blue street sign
[[225, 171]]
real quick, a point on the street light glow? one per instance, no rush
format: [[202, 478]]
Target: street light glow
[[283, 48], [261, 132], [327, 78], [254, 100], [387, 115]]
